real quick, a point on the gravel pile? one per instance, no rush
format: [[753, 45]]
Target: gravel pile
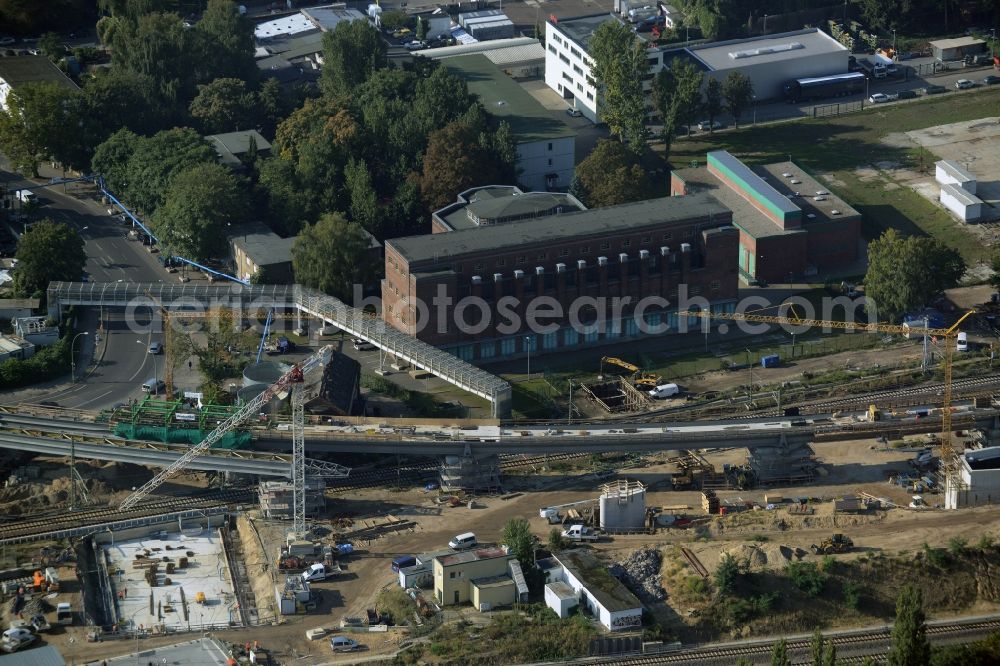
[[640, 571]]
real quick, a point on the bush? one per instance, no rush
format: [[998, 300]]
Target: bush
[[936, 556], [47, 363], [852, 595], [807, 577], [696, 584], [956, 545], [985, 542], [759, 538], [727, 574], [828, 564], [395, 603]]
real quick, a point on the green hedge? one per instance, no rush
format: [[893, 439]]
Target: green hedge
[[47, 363]]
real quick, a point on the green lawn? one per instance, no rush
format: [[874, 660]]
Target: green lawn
[[837, 145]]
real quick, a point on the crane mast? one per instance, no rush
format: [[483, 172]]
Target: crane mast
[[292, 380]]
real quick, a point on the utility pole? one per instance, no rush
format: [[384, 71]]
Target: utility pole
[[750, 387], [569, 411], [926, 358]]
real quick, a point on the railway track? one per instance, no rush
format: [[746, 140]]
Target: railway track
[[66, 520], [854, 643], [694, 562]]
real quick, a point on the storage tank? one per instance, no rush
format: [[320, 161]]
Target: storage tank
[[265, 372], [623, 505]]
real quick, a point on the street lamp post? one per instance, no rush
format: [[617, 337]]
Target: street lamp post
[[750, 387], [527, 347], [894, 43], [754, 110], [765, 24], [72, 356]]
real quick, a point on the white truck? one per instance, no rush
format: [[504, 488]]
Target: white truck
[[580, 533], [321, 571], [64, 613]]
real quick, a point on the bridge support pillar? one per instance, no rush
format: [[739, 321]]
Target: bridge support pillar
[[469, 472]]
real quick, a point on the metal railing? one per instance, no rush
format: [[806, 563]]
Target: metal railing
[[355, 322]]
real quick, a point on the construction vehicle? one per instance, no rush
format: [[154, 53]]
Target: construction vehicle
[[838, 543], [949, 459], [644, 380], [873, 413]]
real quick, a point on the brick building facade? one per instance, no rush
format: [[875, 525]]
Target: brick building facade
[[790, 226], [581, 261]]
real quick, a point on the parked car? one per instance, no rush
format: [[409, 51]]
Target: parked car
[[906, 94], [705, 125], [934, 90], [416, 45], [4, 41], [878, 98], [575, 113], [463, 541], [362, 345], [990, 80], [17, 638], [155, 348], [964, 84], [344, 644], [402, 32]]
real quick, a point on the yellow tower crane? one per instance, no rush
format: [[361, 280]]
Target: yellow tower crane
[[949, 460]]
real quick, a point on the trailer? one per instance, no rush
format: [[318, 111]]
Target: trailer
[[838, 85]]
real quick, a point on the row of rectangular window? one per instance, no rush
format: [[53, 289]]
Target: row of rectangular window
[[565, 252]]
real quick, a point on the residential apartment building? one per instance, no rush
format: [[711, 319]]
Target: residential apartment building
[[474, 290], [546, 146], [485, 577], [769, 61], [790, 226]]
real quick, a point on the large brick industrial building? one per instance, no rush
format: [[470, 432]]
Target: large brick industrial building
[[790, 226], [636, 250]]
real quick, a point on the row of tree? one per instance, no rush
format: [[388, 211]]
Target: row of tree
[[621, 66]]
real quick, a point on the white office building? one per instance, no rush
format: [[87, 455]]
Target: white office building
[[769, 61]]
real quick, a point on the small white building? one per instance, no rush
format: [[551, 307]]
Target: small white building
[[967, 207], [15, 308], [36, 331], [980, 479], [594, 588], [12, 346], [561, 598], [948, 172]]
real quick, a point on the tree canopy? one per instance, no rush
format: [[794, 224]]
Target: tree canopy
[[620, 64], [225, 105], [48, 251], [517, 536], [201, 202], [456, 160], [611, 175], [332, 256], [909, 272], [139, 169], [43, 121], [910, 646], [738, 91], [352, 52], [677, 97]]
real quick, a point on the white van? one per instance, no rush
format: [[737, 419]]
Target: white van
[[463, 541], [154, 386], [664, 391], [26, 197], [962, 344]]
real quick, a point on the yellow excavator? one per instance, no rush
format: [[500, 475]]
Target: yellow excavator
[[644, 380]]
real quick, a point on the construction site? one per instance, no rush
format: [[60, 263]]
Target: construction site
[[193, 517]]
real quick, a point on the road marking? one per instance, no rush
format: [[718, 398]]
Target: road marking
[[87, 402]]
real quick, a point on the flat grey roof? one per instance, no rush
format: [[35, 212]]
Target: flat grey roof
[[198, 652], [956, 43], [45, 655], [962, 195], [561, 590], [18, 70], [328, 17], [607, 589], [956, 170], [581, 28], [263, 246], [737, 53], [546, 230], [809, 189], [504, 98], [497, 201], [698, 181]]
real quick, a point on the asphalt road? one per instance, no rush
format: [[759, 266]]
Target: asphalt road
[[120, 347]]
